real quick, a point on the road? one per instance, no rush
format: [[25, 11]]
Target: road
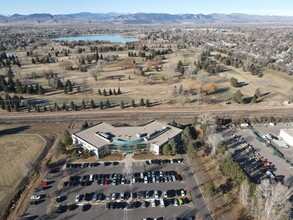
[[137, 114]]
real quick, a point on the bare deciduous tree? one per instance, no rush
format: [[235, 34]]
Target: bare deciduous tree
[[94, 73], [190, 71], [101, 64], [272, 201], [170, 70], [201, 77], [214, 140]]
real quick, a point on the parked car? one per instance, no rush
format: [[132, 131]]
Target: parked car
[[182, 193], [165, 194], [77, 198]]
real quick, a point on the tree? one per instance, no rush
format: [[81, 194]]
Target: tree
[[82, 105], [167, 149], [257, 93], [121, 104], [214, 140], [209, 88], [93, 105], [62, 148], [108, 105], [234, 82], [186, 134], [147, 103], [119, 91], [191, 149], [66, 138], [209, 188], [173, 145], [238, 97], [142, 102], [65, 90], [85, 125], [133, 103], [101, 105], [272, 201]]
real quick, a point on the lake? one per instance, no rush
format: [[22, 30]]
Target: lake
[[111, 38]]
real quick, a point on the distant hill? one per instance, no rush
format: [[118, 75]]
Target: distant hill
[[144, 18]]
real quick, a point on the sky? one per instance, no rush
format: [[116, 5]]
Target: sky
[[259, 7]]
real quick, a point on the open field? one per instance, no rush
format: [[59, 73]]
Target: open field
[[17, 152]]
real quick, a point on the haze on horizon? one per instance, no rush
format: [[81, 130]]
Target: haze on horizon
[[259, 7]]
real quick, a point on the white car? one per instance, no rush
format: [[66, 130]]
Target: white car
[[146, 180], [162, 202], [35, 197], [176, 202], [77, 198], [122, 196], [182, 193], [113, 196], [156, 194]]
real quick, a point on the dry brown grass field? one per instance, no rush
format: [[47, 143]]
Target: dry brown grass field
[[16, 152]]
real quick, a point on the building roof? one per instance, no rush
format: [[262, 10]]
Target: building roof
[[103, 133], [288, 131]]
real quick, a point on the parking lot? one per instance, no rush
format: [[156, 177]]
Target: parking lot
[[158, 189], [255, 157]]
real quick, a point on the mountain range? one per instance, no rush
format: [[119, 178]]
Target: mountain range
[[143, 18]]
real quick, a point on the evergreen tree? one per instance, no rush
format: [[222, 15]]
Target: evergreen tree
[[114, 92], [99, 92], [82, 105], [119, 91], [66, 138], [101, 105], [104, 92], [93, 105], [173, 146], [18, 86], [147, 103], [110, 92], [65, 90], [133, 103], [167, 149], [238, 97], [121, 104], [56, 107], [85, 125], [108, 105], [142, 102], [72, 105], [70, 88]]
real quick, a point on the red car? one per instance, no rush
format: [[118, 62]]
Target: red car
[[106, 182], [266, 164]]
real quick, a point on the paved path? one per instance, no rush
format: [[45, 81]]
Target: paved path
[[195, 191]]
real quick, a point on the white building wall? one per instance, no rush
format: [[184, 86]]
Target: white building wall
[[155, 149], [287, 137], [77, 140]]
